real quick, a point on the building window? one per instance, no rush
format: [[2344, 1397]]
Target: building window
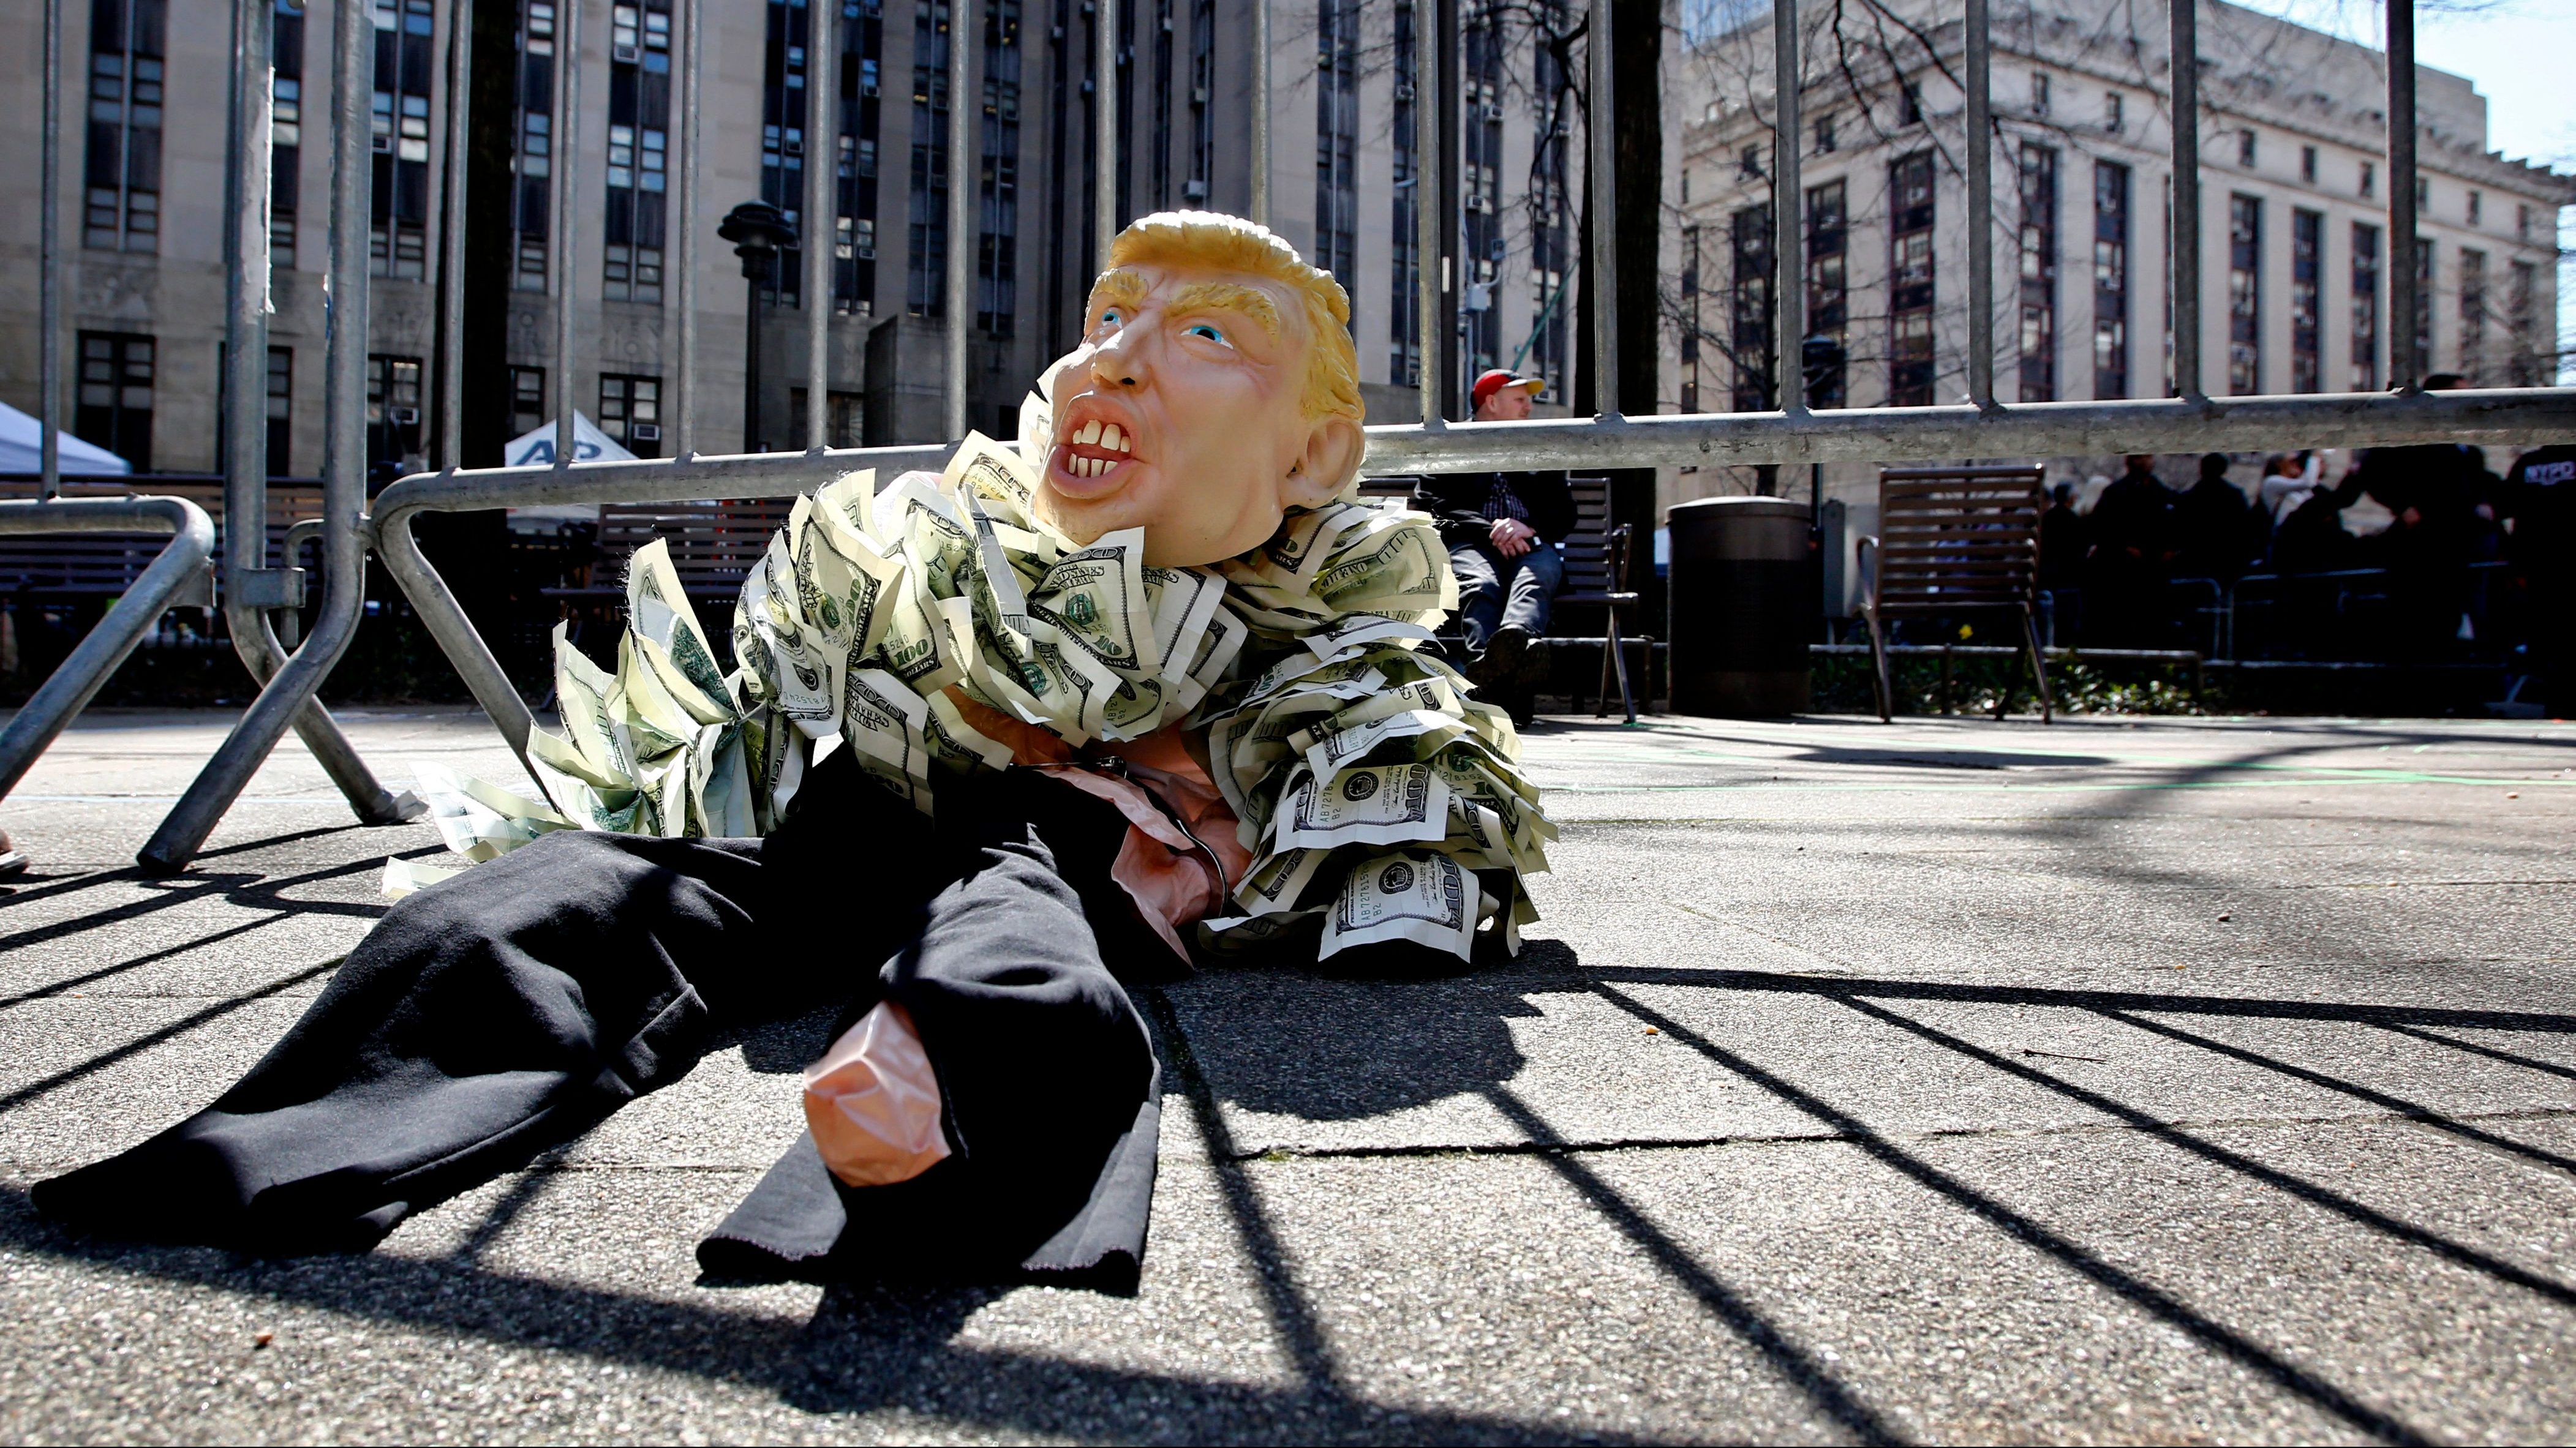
[[1480, 226], [2038, 273], [843, 422], [2365, 308], [2528, 365], [2477, 208], [1194, 191], [2423, 196], [1825, 134], [2039, 92], [2308, 165], [1828, 280], [2307, 285], [2369, 179], [854, 264], [527, 400], [1552, 266], [2113, 104], [2110, 280], [2244, 295], [1752, 316], [114, 406], [1909, 104], [630, 411], [1748, 166], [2423, 362], [2245, 148], [397, 237], [926, 260], [121, 209], [2473, 315], [393, 408], [639, 149], [532, 145], [997, 255], [852, 148], [2522, 223], [1404, 282], [281, 410], [1337, 131], [2168, 281], [1159, 155], [286, 132], [1690, 323], [1910, 293]]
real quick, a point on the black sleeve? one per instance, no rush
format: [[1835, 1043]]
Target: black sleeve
[[1550, 503], [1456, 502]]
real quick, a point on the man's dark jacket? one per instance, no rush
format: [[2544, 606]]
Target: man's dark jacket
[[1456, 501]]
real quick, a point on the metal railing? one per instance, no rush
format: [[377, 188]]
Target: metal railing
[[1982, 427], [288, 679], [179, 571], [251, 588]]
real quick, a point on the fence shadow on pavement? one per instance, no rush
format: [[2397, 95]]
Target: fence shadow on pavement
[[1321, 1048]]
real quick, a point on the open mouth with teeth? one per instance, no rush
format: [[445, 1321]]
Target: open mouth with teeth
[[1093, 452]]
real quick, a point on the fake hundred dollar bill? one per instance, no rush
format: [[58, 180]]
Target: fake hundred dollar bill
[[1428, 899]]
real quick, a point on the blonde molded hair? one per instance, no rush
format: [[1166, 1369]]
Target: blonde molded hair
[[1215, 240]]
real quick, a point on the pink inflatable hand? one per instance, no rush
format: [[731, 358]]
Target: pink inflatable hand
[[873, 1102]]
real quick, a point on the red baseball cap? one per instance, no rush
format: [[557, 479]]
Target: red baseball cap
[[1499, 378]]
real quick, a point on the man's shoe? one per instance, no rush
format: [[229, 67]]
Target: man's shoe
[[1538, 666], [1501, 663]]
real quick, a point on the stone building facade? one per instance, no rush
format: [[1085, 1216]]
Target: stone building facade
[[143, 202], [2294, 214]]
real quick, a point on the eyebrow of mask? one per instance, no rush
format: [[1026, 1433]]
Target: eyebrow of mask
[[1122, 286], [1229, 297]]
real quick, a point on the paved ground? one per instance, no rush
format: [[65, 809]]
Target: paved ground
[[2181, 1080]]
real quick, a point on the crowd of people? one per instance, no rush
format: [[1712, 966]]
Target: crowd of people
[[2150, 559]]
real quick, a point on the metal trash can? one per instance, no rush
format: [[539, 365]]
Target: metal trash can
[[1745, 605]]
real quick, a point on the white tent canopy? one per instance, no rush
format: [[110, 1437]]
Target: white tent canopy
[[22, 441], [537, 449], [590, 445]]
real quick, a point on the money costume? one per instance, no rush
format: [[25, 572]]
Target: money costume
[[966, 782], [1374, 799], [674, 883]]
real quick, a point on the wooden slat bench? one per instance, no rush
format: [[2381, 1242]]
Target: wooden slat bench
[[105, 565], [714, 545], [1951, 541]]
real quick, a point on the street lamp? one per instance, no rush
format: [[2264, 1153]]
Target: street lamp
[[758, 231]]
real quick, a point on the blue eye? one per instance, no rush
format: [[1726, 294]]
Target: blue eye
[[1111, 319], [1202, 329]]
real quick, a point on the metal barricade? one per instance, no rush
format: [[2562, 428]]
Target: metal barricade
[[251, 590], [180, 568], [1980, 428]]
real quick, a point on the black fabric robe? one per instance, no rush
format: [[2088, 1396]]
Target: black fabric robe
[[507, 1010]]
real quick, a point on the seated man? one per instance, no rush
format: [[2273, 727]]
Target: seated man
[[1502, 530]]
